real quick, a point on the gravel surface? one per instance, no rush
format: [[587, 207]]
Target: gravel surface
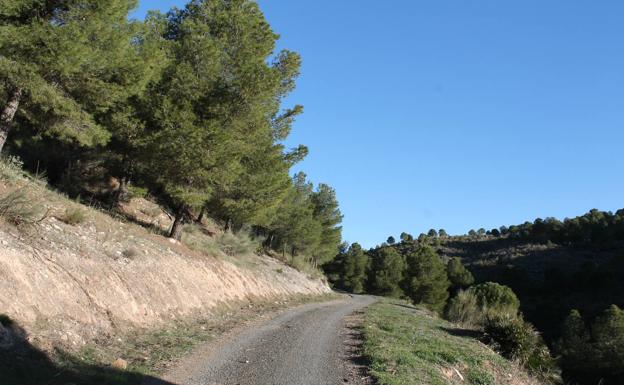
[[303, 346]]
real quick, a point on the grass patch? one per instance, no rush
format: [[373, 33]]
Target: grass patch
[[73, 216], [410, 345]]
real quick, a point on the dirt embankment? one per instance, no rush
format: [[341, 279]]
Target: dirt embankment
[[74, 282]]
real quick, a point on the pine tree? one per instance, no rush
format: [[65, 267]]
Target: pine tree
[[608, 341], [425, 278], [294, 228], [386, 272], [458, 275], [405, 237], [327, 213], [62, 64], [125, 120], [354, 268], [213, 104], [574, 342]]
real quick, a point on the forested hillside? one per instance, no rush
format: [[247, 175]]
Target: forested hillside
[[184, 107], [564, 277]]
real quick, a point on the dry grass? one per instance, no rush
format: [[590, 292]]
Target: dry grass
[[74, 216], [19, 208]]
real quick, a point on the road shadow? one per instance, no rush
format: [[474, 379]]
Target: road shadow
[[21, 363]]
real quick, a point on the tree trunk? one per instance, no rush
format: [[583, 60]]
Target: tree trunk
[[268, 242], [178, 224], [8, 113], [121, 195], [200, 218]]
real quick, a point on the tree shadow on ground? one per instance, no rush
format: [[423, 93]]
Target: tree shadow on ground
[[154, 228], [457, 332], [23, 364]]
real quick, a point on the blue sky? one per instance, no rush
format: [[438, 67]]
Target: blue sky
[[456, 114]]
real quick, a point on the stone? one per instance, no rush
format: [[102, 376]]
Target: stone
[[120, 364]]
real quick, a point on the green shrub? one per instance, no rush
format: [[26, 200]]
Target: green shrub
[[487, 300], [240, 243], [73, 216], [517, 340], [11, 168], [496, 300], [513, 338], [464, 309], [136, 192], [18, 208]]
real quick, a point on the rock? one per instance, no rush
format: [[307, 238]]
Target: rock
[[120, 364]]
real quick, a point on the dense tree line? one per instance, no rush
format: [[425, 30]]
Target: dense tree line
[[186, 104], [407, 269], [593, 228]]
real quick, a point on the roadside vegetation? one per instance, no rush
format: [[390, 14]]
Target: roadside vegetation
[[543, 294], [407, 345]]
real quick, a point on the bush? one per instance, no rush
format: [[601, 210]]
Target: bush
[[240, 243], [517, 340], [513, 338], [495, 299], [464, 309], [18, 208], [11, 168], [487, 300], [73, 216]]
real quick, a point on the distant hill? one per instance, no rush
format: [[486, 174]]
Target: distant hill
[[550, 279]]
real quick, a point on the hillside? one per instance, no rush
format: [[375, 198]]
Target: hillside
[[550, 279], [71, 274]]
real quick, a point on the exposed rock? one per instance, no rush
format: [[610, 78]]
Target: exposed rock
[[120, 364]]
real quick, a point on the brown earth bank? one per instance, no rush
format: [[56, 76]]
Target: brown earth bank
[[71, 284]]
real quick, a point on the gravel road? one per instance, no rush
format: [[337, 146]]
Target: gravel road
[[303, 346]]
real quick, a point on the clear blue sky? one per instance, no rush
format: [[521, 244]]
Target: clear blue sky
[[457, 114]]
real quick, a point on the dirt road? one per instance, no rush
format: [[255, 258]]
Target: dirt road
[[303, 346]]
